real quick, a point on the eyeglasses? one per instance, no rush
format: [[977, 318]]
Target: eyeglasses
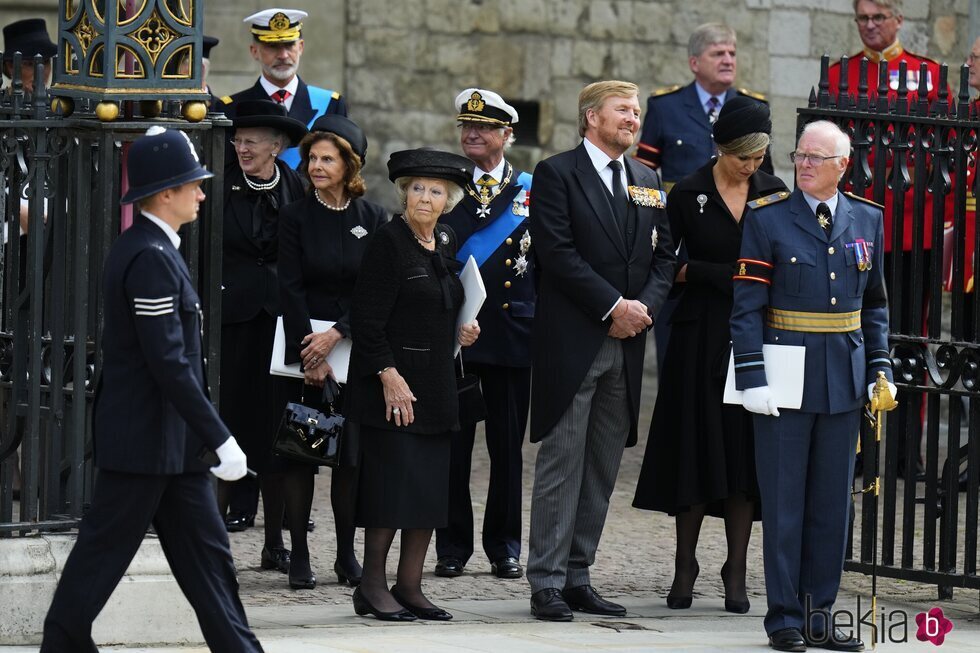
[[815, 159], [877, 19], [478, 127], [247, 143]]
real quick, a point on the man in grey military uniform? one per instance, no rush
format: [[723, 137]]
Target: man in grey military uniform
[[810, 274]]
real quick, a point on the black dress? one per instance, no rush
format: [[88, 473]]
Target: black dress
[[404, 316], [252, 400], [700, 450], [320, 254]]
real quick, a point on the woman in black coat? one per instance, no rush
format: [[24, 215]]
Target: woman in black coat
[[403, 380], [257, 184], [699, 458], [322, 239]]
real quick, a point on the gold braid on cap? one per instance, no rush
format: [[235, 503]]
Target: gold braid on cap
[[279, 30]]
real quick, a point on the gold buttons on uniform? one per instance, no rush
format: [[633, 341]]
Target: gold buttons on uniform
[[833, 301], [830, 250], [505, 306], [508, 262], [509, 241], [833, 275], [507, 284]]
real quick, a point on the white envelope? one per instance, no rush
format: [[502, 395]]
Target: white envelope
[[785, 367], [338, 358], [475, 295]]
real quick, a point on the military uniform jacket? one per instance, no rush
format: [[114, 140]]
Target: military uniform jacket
[[676, 137], [506, 316], [152, 412], [789, 263], [584, 266], [301, 108]]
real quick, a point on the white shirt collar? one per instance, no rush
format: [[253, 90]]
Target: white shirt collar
[[812, 202], [497, 173], [704, 96], [167, 229], [271, 88], [601, 162]]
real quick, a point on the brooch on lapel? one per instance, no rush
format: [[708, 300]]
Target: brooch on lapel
[[525, 242], [702, 200], [359, 232], [443, 238], [653, 238], [522, 203], [234, 187], [643, 196]]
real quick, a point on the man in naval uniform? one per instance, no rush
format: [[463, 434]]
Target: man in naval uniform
[[152, 420], [491, 224], [277, 44], [810, 274]]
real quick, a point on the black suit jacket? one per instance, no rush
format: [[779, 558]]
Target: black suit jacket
[[584, 266], [152, 412]]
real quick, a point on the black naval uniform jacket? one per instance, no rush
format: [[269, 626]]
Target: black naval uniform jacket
[[506, 317], [301, 108], [152, 412]]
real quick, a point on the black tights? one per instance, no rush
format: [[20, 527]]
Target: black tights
[[374, 584], [343, 485]]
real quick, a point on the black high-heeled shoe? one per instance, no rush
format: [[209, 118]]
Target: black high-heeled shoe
[[362, 607], [345, 577], [301, 577], [675, 602], [431, 614], [738, 606]]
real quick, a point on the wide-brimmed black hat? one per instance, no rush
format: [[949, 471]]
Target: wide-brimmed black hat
[[741, 116], [346, 128], [207, 43], [29, 37], [266, 113], [437, 164], [161, 159]]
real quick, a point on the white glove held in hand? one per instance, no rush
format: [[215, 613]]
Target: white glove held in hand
[[759, 400], [891, 387], [233, 464]]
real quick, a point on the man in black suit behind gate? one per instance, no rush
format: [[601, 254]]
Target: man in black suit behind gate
[[606, 262]]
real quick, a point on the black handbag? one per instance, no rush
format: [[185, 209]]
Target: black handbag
[[472, 407], [308, 435]]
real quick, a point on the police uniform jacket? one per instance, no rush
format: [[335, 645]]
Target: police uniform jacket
[[506, 316], [789, 263], [585, 265], [248, 261], [153, 384], [676, 136]]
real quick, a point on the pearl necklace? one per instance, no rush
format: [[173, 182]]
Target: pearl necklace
[[316, 194], [419, 238], [269, 185]]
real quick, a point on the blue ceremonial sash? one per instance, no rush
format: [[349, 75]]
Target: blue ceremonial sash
[[320, 99], [481, 244]]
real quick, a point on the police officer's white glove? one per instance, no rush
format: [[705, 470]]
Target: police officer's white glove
[[760, 400], [891, 386], [233, 464]]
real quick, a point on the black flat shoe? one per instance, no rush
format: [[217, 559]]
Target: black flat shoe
[[507, 568], [449, 567], [275, 558], [737, 606], [836, 641], [548, 605], [787, 639], [584, 598], [362, 607], [431, 614], [345, 577], [301, 577], [677, 602], [239, 522]]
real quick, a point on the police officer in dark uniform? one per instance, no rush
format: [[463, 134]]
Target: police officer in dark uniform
[[152, 420], [491, 223], [810, 274], [277, 44]]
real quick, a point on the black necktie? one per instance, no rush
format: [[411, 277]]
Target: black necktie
[[713, 106], [619, 194], [824, 217]]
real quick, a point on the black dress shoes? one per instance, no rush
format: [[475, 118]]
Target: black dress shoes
[[362, 607], [430, 614], [507, 568], [347, 576], [276, 558], [236, 523], [584, 598], [449, 567], [301, 577], [787, 639], [838, 640], [548, 605]]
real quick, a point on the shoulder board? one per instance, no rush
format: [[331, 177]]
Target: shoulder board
[[752, 94], [335, 95], [865, 200], [226, 99], [666, 90], [768, 199]]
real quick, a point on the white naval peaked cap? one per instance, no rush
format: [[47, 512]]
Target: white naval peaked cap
[[277, 25], [481, 105]]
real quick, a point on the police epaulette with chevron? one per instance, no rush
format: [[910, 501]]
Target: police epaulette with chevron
[[865, 200], [666, 90], [768, 199], [752, 94]]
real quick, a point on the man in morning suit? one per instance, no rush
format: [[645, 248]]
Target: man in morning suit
[[152, 419], [277, 44], [810, 274], [605, 263], [491, 225]]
